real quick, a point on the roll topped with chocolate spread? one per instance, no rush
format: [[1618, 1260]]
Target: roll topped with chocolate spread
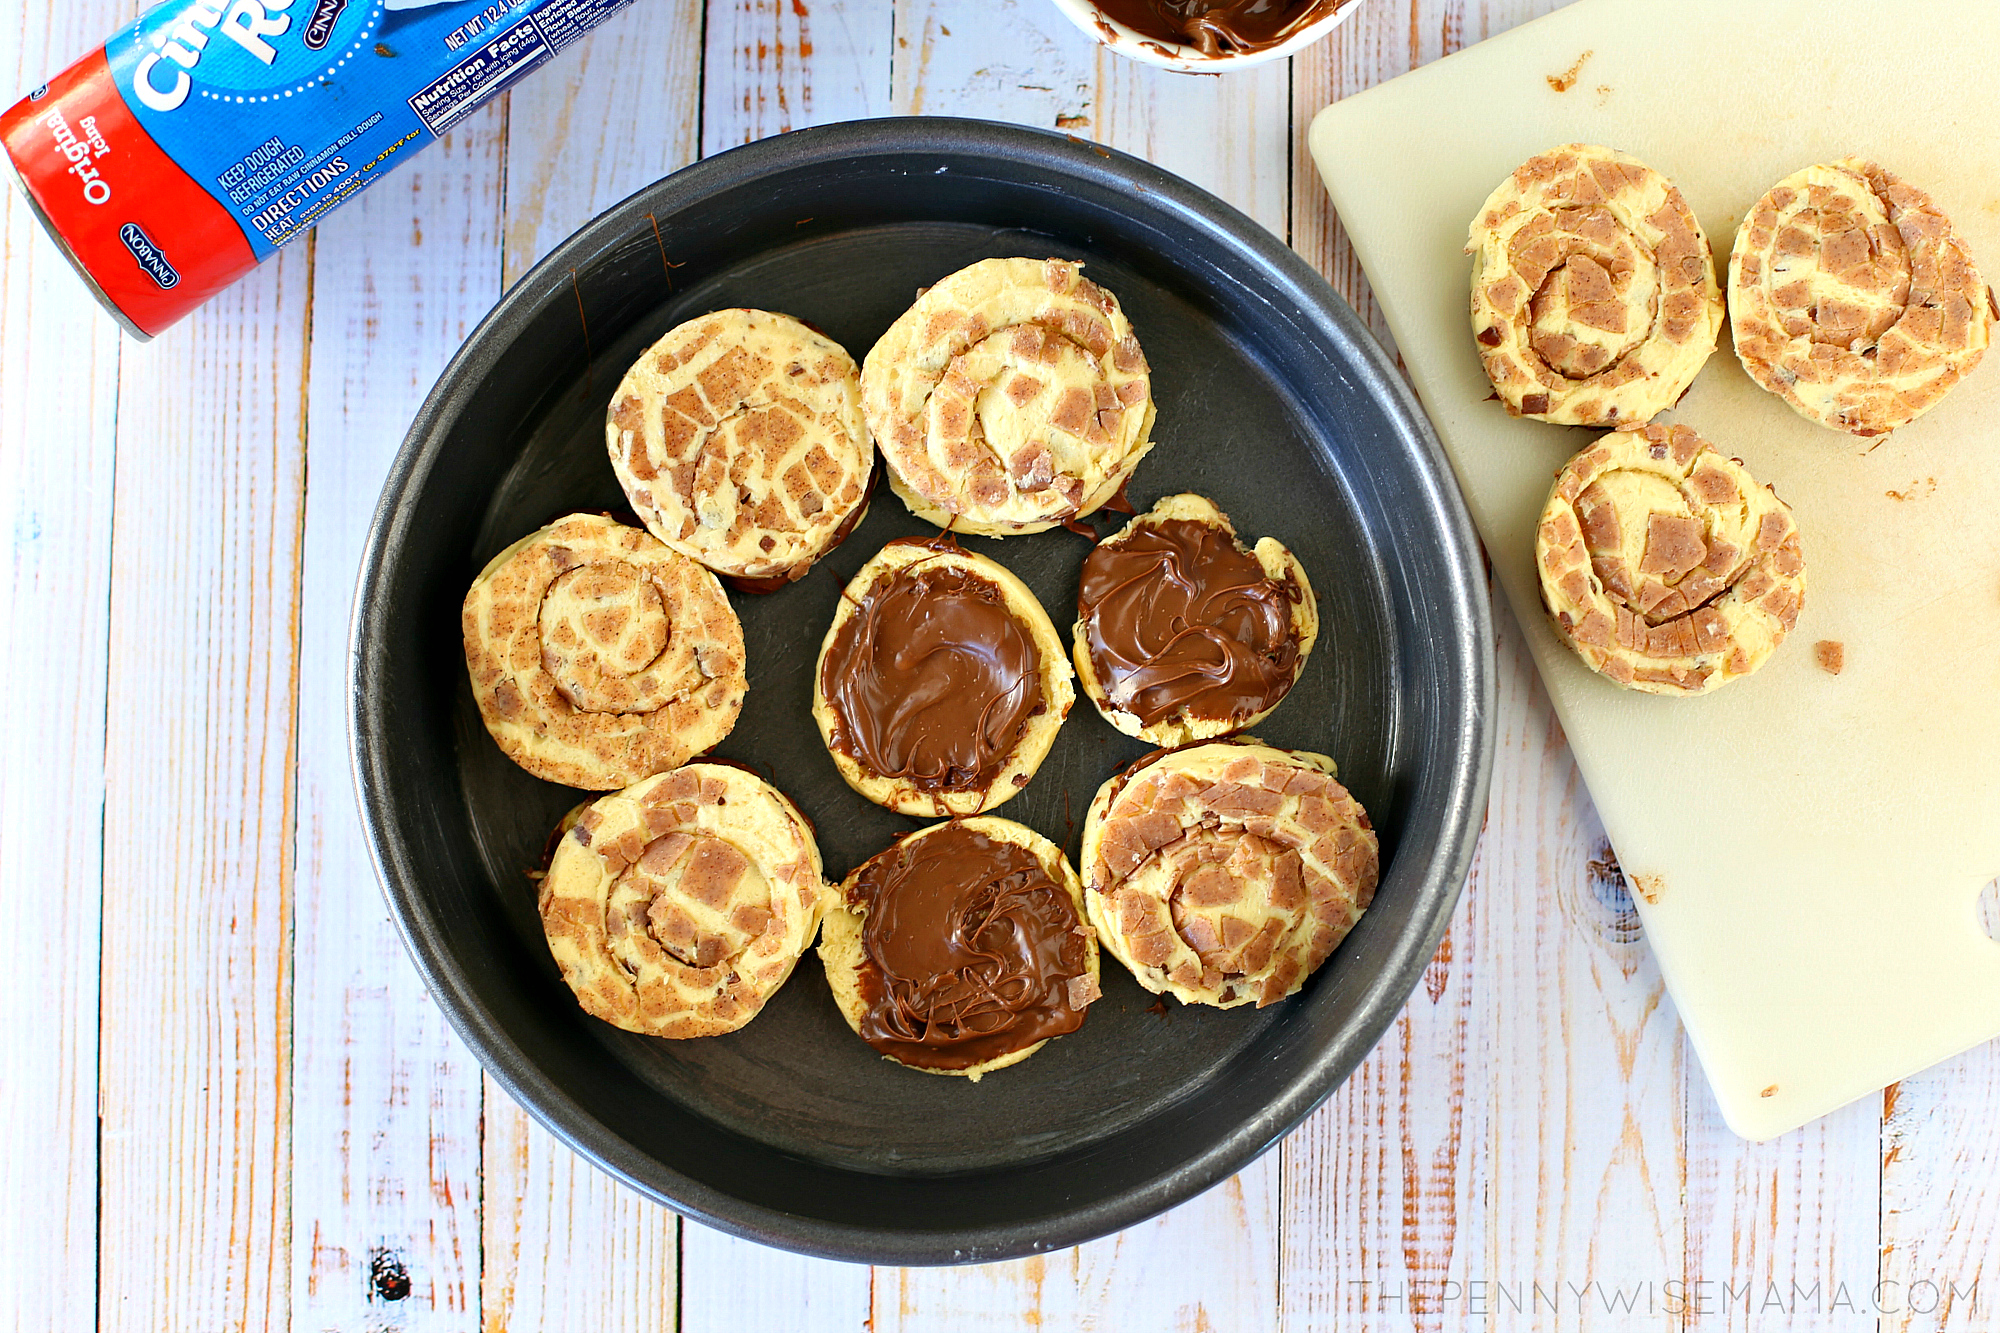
[[962, 948], [1183, 634], [941, 683]]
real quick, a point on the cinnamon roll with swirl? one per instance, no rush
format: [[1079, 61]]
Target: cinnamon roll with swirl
[[1594, 300], [1011, 397], [739, 440], [1664, 565], [962, 949], [1224, 874], [1853, 298], [678, 906], [599, 657]]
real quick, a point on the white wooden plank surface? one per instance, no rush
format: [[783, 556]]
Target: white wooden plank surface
[[196, 1025], [279, 1099], [1210, 1264], [386, 1102], [58, 411], [776, 65], [563, 1246], [729, 1284], [1021, 60], [1940, 1204]]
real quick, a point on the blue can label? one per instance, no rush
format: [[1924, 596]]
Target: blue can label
[[283, 109]]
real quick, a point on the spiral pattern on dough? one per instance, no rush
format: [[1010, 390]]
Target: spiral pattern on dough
[[1594, 300], [599, 657], [739, 440], [1010, 397], [1852, 298], [1225, 873], [678, 906], [1665, 565]]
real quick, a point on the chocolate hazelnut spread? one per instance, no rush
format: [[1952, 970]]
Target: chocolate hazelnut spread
[[970, 946], [932, 680], [1179, 619], [1219, 27]]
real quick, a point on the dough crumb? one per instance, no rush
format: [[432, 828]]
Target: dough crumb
[[1771, 1091], [1831, 654], [1566, 80], [1649, 887]]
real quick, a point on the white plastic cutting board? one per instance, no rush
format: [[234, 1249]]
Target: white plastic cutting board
[[1806, 849]]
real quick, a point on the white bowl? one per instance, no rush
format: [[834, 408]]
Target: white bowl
[[1126, 41]]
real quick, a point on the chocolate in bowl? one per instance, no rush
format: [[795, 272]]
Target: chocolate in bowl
[[1220, 27], [1227, 34]]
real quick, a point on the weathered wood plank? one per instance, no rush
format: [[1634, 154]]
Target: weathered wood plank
[[386, 1102], [1581, 1051], [563, 1245], [728, 1285], [1941, 1188], [777, 65], [1022, 61], [1210, 1264], [619, 110], [195, 1054], [58, 411], [1784, 1234]]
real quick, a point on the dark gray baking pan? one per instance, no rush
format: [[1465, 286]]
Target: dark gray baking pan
[[1273, 401]]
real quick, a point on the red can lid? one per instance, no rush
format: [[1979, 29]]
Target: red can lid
[[150, 241]]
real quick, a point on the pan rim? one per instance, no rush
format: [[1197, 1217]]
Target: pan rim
[[1469, 672]]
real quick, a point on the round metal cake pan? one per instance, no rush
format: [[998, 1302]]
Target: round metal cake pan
[[1273, 400]]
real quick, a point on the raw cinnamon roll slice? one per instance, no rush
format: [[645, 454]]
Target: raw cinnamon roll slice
[[1012, 396], [962, 949], [1181, 633], [739, 440], [1594, 301], [1665, 565], [1852, 298], [599, 657], [941, 683], [1225, 873], [678, 906]]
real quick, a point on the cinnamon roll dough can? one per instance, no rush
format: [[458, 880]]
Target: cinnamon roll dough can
[[207, 134]]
